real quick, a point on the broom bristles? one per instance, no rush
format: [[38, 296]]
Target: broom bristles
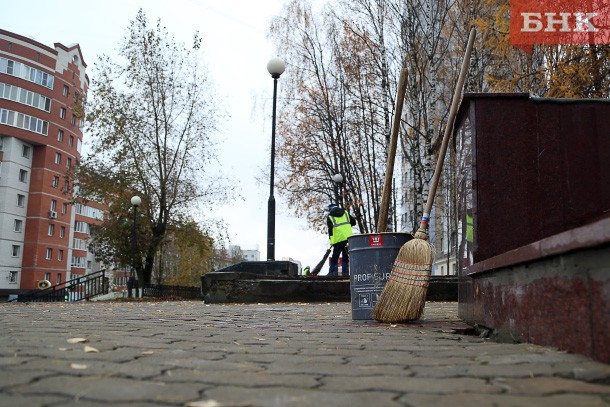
[[404, 296]]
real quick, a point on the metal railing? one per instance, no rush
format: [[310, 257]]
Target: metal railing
[[77, 289], [171, 291]]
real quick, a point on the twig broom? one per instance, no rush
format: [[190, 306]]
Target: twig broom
[[404, 296]]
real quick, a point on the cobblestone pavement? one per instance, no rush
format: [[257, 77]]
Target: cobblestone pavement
[[198, 355]]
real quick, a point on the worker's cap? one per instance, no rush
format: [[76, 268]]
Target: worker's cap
[[332, 206]]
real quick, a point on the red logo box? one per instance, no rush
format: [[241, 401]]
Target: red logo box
[[559, 22], [375, 240]]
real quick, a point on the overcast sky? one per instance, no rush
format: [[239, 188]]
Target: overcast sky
[[236, 52]]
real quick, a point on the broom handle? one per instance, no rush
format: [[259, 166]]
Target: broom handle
[[382, 222], [457, 96]]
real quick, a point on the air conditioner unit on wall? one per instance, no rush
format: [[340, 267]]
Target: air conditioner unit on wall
[[52, 215]]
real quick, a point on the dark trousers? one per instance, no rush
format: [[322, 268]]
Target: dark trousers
[[339, 249]]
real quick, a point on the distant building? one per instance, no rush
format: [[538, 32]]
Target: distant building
[[246, 255], [42, 235], [251, 255]]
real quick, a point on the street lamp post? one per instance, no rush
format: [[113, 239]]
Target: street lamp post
[[337, 179], [275, 67], [133, 282]]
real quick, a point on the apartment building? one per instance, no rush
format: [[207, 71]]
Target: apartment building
[[42, 234]]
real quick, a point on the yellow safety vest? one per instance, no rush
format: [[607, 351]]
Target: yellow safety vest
[[342, 229], [469, 229]]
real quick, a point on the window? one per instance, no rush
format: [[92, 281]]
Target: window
[[64, 208], [47, 276], [53, 205], [49, 255], [79, 244], [65, 91], [18, 226], [81, 227], [60, 255], [12, 277], [71, 141], [62, 113], [62, 232], [20, 200], [23, 121], [57, 158], [58, 281], [38, 56], [24, 96], [55, 183], [10, 67], [68, 163], [10, 46], [51, 231], [26, 151], [78, 262], [23, 176], [15, 250], [60, 135], [89, 211]]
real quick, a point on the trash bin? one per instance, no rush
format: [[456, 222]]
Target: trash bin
[[371, 258]]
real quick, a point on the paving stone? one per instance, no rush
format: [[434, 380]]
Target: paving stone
[[500, 400], [181, 353], [409, 384], [287, 396], [24, 400], [112, 389], [549, 385], [255, 379], [9, 378]]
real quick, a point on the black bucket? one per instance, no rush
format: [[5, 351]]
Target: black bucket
[[371, 257]]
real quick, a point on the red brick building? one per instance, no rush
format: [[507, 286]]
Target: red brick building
[[42, 235]]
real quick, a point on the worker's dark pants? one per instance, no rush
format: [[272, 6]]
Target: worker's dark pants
[[339, 249]]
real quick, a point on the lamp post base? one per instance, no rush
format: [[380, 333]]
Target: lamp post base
[[132, 284]]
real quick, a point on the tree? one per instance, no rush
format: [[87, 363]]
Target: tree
[[151, 117], [187, 254], [339, 117]]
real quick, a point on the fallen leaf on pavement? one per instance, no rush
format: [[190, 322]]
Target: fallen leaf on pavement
[[203, 403], [78, 340], [78, 366]]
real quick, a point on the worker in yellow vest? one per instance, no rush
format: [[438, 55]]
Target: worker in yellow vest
[[339, 224]]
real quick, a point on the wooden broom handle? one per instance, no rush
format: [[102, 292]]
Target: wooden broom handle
[[457, 96], [382, 222]]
